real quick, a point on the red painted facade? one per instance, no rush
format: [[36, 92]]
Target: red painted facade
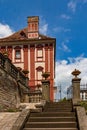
[[32, 51], [25, 48], [32, 66]]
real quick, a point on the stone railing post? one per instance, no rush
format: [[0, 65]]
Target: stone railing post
[[46, 90], [26, 98], [27, 81], [18, 76], [7, 64], [76, 86]]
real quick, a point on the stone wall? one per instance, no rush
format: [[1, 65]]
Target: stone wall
[[82, 118], [13, 85], [9, 93]]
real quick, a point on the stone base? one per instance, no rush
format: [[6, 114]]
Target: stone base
[[76, 102], [82, 118]]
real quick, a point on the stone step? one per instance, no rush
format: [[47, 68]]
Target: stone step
[[50, 129], [56, 116], [51, 125], [51, 119], [59, 105], [55, 104], [58, 109], [53, 114]]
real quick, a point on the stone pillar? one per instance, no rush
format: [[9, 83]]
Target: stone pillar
[[76, 86], [26, 98], [27, 81], [46, 90]]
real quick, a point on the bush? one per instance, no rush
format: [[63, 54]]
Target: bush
[[84, 104]]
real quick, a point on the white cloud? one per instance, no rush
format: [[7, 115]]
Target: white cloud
[[43, 26], [5, 30], [64, 47], [61, 29], [72, 5], [64, 69], [64, 16], [43, 29]]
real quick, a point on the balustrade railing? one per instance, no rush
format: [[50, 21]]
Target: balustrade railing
[[83, 92], [13, 71], [6, 65], [35, 96], [22, 78], [83, 87], [2, 61], [70, 92]]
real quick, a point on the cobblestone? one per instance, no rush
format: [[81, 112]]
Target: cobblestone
[[7, 119]]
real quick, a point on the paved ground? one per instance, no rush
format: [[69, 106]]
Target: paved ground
[[7, 119]]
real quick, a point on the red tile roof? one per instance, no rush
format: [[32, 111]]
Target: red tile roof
[[22, 35]]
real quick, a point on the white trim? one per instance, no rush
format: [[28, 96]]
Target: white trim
[[48, 59], [29, 60]]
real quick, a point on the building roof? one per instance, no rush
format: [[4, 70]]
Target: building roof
[[22, 36]]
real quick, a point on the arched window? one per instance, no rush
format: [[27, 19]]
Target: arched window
[[39, 72]]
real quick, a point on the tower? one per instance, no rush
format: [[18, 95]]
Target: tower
[[33, 27]]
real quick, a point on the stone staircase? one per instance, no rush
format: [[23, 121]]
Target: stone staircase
[[56, 116]]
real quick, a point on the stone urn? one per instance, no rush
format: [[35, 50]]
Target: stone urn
[[76, 73], [19, 68], [46, 75], [5, 54], [25, 72]]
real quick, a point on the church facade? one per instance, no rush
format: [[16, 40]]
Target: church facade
[[33, 52]]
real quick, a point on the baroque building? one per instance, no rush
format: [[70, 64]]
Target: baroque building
[[32, 51]]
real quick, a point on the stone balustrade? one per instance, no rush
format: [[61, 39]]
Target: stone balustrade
[[35, 96], [6, 65]]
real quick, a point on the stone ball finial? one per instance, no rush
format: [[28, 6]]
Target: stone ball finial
[[75, 73]]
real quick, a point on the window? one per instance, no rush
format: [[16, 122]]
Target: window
[[17, 54], [36, 27], [39, 53], [39, 75], [39, 72]]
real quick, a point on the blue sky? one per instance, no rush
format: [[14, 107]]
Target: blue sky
[[66, 20]]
